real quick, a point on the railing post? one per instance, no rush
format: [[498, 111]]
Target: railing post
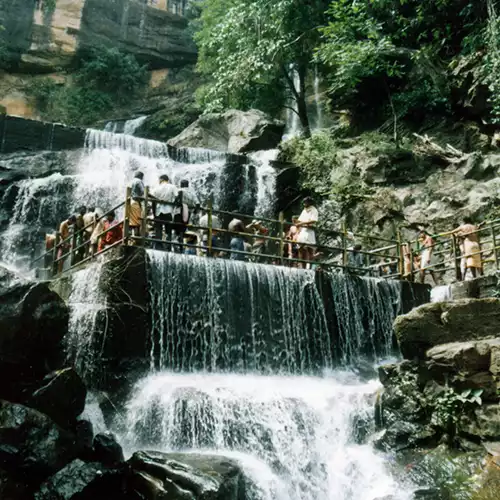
[[456, 265], [210, 231], [72, 252], [344, 245], [412, 260], [144, 209], [126, 215], [54, 259], [494, 239], [399, 254], [282, 230]]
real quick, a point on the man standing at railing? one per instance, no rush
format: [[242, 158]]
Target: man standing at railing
[[307, 236], [136, 210], [65, 243], [471, 249], [165, 196]]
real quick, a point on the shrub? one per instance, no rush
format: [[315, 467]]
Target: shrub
[[110, 71]]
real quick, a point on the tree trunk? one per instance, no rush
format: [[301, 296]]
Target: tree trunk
[[301, 101]]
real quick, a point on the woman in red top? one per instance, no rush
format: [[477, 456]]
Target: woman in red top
[[114, 232]]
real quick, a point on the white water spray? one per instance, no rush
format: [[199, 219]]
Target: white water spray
[[266, 181], [301, 433]]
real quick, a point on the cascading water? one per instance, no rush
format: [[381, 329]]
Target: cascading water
[[127, 127], [241, 365], [365, 309], [292, 115], [266, 181], [98, 178], [317, 100], [304, 431], [220, 314], [88, 309]]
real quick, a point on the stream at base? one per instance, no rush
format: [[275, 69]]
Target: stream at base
[[296, 437]]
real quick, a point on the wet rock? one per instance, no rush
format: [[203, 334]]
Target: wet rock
[[445, 322], [233, 131], [32, 443], [13, 488], [485, 423], [107, 450], [33, 321], [83, 481], [467, 357], [62, 396], [185, 476]]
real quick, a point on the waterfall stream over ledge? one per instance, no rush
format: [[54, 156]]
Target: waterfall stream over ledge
[[249, 361]]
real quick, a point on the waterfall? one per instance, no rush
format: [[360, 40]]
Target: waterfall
[[442, 293], [317, 100], [306, 433], [98, 177], [292, 117], [209, 314], [365, 309], [88, 310], [266, 181], [127, 127]]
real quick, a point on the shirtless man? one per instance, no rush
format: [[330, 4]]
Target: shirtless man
[[470, 247], [427, 247]]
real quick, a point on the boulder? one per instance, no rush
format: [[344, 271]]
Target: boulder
[[83, 481], [185, 476], [62, 396], [107, 450], [445, 322], [233, 132], [33, 321], [485, 423], [32, 444], [470, 357]]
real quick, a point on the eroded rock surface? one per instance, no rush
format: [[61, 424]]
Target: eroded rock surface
[[233, 132], [186, 476], [443, 322]]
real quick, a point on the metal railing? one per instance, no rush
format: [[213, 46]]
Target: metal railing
[[390, 260]]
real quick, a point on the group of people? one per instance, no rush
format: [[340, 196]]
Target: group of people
[[171, 218], [425, 260], [82, 235]]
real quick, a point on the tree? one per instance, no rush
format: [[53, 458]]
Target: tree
[[251, 51]]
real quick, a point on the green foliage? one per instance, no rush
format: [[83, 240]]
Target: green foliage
[[450, 405], [322, 170], [49, 6], [247, 47], [112, 72], [70, 105], [105, 78]]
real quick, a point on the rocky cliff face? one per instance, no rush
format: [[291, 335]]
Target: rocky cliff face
[[446, 391], [44, 40]]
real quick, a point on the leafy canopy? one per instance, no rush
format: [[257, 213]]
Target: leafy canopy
[[246, 48]]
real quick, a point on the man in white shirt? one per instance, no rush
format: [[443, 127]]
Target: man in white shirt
[[307, 236], [187, 204], [164, 195]]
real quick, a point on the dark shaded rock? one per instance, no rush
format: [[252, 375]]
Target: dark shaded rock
[[32, 444], [84, 481], [107, 450], [233, 132], [84, 432], [33, 321], [62, 396], [13, 488], [444, 322], [402, 435], [485, 423], [185, 476]]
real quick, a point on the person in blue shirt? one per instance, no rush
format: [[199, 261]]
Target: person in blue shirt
[[237, 242]]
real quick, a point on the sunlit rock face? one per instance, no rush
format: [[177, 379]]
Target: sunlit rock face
[[41, 40]]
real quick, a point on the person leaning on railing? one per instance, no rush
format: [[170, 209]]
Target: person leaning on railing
[[164, 196], [114, 231]]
